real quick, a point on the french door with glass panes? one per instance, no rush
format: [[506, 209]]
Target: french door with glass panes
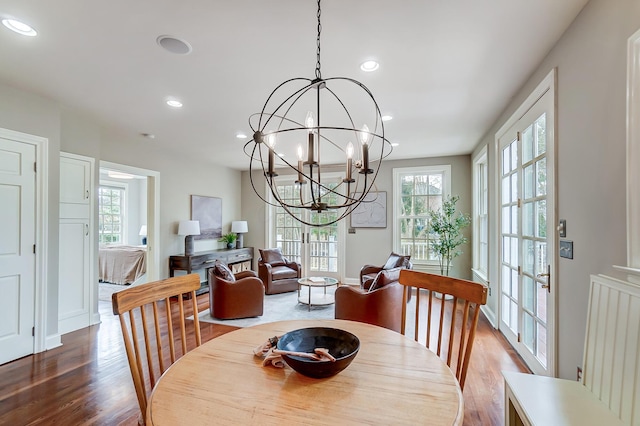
[[527, 235], [318, 249]]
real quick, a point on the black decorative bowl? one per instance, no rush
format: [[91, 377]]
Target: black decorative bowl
[[341, 344]]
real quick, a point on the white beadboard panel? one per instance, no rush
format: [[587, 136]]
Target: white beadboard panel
[[612, 344]]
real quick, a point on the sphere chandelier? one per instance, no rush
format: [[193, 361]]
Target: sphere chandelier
[[294, 118]]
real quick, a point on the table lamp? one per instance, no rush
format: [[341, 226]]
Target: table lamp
[[189, 228], [143, 234], [239, 227]]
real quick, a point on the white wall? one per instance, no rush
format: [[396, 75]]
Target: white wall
[[591, 62], [32, 114], [74, 132], [180, 178], [370, 246]]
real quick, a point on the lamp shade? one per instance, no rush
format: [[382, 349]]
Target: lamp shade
[[239, 226], [189, 227], [143, 231]]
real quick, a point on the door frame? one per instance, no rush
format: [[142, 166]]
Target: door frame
[[153, 214], [42, 341], [548, 84]]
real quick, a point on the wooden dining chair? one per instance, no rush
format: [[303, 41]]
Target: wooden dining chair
[[453, 338], [148, 328]]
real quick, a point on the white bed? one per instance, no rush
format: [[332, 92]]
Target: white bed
[[121, 264]]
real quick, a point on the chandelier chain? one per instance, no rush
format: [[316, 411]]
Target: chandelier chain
[[318, 74]]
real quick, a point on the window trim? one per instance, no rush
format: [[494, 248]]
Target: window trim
[[445, 169], [633, 156], [481, 159]]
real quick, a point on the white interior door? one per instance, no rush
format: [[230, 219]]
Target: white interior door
[[17, 257], [318, 249], [528, 235]]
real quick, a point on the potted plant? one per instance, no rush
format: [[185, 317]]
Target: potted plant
[[230, 239], [445, 227]]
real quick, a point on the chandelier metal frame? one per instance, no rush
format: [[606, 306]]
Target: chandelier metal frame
[[276, 115]]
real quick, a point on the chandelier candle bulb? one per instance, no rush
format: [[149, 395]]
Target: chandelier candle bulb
[[349, 152], [300, 180], [308, 122], [364, 138], [271, 141]]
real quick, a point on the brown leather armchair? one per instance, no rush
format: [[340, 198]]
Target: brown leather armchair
[[238, 296], [278, 274], [369, 272], [381, 305]]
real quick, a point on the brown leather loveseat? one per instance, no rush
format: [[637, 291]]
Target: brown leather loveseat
[[234, 296], [278, 274]]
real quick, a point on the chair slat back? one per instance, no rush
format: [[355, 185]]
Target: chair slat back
[[147, 340], [457, 319]]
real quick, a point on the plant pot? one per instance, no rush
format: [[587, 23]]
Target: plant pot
[[230, 245]]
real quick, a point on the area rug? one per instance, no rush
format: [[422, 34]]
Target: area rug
[[280, 307]]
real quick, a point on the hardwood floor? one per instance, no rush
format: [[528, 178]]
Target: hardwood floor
[[87, 380]]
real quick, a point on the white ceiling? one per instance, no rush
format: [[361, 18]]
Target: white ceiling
[[447, 68]]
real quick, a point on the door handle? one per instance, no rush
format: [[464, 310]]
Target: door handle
[[87, 196], [87, 231], [548, 275]]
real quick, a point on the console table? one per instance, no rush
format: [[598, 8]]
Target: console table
[[237, 260]]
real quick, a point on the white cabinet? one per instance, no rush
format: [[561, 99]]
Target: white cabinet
[[75, 285], [75, 180]]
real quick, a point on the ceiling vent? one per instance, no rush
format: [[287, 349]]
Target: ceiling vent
[[174, 45]]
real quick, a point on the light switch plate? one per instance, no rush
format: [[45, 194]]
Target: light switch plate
[[566, 249]]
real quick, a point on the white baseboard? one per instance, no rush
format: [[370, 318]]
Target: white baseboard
[[491, 316], [53, 341], [351, 281], [96, 319]]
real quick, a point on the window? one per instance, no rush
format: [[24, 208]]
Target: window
[[416, 191], [480, 216], [111, 215]]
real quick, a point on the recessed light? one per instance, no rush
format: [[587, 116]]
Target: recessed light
[[369, 66], [387, 118], [241, 136], [174, 103], [148, 135], [395, 144], [19, 27]]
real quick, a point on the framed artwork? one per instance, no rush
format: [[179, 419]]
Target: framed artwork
[[371, 212], [207, 210]]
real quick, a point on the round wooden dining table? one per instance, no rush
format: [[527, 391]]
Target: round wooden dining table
[[392, 380]]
